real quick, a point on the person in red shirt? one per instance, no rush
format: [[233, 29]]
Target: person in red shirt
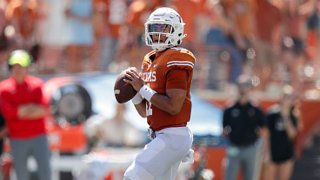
[[24, 111], [163, 97]]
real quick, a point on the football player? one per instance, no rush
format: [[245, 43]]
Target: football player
[[163, 97]]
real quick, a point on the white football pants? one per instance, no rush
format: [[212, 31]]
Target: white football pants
[[160, 159]]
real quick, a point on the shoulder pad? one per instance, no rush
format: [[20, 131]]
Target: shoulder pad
[[180, 50], [180, 58]]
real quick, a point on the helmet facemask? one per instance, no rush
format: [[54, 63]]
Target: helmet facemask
[[164, 30]]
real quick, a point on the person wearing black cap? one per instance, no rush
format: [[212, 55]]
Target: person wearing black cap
[[24, 111], [243, 124]]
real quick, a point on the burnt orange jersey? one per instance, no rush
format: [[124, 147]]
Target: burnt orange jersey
[[155, 72]]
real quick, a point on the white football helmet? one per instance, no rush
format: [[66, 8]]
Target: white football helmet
[[164, 29]]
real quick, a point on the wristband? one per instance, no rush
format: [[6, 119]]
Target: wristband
[[137, 99], [147, 92]]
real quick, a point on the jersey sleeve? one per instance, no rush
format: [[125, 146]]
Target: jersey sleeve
[[38, 95], [8, 108], [182, 59], [145, 62], [177, 79]]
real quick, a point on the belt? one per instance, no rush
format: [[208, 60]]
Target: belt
[[172, 130], [151, 134]]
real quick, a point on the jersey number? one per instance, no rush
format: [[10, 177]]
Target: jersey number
[[148, 109]]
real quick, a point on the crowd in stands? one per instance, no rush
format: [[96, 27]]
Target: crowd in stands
[[272, 40]]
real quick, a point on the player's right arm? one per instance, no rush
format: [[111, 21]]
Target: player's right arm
[[174, 98], [138, 101], [171, 103]]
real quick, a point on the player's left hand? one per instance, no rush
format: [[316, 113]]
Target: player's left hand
[[134, 78]]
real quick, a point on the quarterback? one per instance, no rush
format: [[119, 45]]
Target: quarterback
[[163, 97]]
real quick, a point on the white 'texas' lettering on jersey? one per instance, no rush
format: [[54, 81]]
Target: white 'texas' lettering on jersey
[[149, 76]]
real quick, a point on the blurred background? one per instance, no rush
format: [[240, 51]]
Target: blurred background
[[275, 41], [87, 42]]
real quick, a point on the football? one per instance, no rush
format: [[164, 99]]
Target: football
[[123, 91]]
